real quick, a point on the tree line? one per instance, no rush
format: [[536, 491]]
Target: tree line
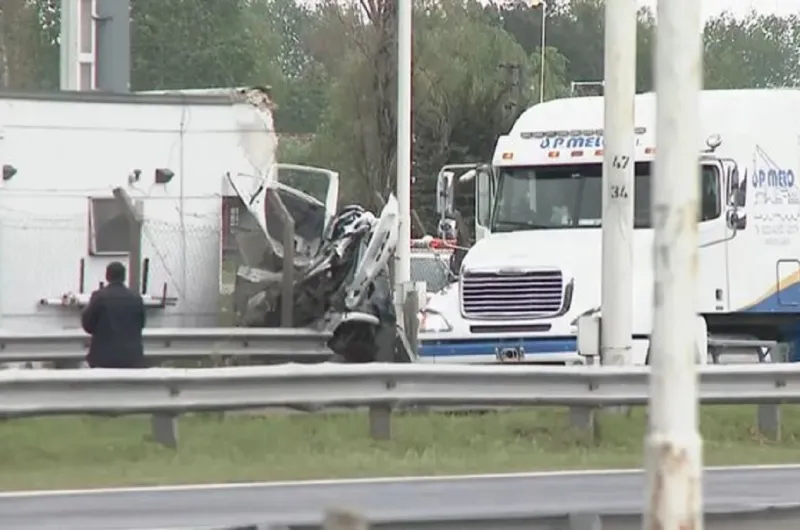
[[332, 69]]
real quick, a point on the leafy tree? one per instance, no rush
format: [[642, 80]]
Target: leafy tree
[[577, 30], [471, 83], [28, 44], [757, 51], [192, 44], [471, 80], [299, 81], [358, 132]]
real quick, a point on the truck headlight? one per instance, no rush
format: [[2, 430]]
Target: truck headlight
[[432, 322]]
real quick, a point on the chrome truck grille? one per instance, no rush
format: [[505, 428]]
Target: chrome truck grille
[[521, 294]]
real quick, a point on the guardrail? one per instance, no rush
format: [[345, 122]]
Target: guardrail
[[734, 518], [274, 344], [168, 392]]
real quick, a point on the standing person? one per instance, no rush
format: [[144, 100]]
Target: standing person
[[115, 319]]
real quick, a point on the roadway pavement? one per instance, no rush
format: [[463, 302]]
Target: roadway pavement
[[384, 499]]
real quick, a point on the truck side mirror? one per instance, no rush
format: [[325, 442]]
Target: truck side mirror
[[736, 219], [444, 193], [732, 181], [741, 193], [735, 187]]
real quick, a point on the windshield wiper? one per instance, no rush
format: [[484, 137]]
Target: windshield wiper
[[522, 224]]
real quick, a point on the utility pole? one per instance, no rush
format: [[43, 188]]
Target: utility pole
[[674, 446], [113, 45], [616, 302], [402, 271]]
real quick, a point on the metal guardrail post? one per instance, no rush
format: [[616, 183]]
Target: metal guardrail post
[[584, 418], [584, 521], [380, 415], [344, 520], [768, 415], [164, 427], [287, 291], [768, 419], [411, 318], [406, 304]]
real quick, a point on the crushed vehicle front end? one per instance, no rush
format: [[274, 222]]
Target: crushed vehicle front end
[[340, 265]]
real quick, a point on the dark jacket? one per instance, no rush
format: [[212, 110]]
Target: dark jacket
[[115, 319]]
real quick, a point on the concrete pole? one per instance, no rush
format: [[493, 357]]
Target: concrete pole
[[674, 447], [618, 171], [402, 269]]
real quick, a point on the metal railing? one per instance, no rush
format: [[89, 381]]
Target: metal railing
[[275, 345], [168, 392]]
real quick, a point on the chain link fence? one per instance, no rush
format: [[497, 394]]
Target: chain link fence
[[57, 248], [431, 266]]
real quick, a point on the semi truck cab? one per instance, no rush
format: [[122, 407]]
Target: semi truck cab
[[534, 269]]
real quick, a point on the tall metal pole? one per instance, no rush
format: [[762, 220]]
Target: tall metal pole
[[543, 47], [113, 45], [403, 255], [674, 446], [618, 172]]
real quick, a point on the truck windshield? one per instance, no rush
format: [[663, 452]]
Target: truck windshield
[[548, 197]]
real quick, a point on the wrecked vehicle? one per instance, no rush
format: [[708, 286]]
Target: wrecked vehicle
[[431, 262], [341, 280]]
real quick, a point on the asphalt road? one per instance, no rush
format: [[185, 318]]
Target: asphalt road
[[220, 505]]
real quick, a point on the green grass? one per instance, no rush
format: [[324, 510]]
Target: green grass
[[87, 452]]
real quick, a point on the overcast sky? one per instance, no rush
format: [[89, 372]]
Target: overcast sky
[[741, 7], [737, 7]]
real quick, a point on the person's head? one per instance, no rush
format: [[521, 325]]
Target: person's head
[[115, 272]]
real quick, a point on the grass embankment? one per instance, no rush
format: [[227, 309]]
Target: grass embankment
[[88, 452]]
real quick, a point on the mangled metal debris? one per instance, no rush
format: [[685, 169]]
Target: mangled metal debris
[[341, 267]]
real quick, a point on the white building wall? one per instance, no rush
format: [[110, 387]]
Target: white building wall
[[80, 146]]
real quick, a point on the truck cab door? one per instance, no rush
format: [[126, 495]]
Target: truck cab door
[[718, 195]]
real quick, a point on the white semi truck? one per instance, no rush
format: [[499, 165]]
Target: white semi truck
[[535, 267]]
